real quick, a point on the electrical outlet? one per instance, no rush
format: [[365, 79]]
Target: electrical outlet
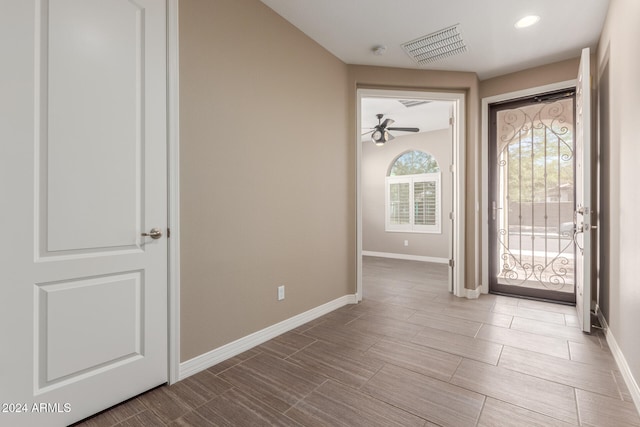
[[280, 293], [406, 243]]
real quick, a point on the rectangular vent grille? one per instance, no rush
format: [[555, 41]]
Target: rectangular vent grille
[[412, 102], [435, 46]]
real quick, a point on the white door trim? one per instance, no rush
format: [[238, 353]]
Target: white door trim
[[483, 257], [458, 160], [173, 160]]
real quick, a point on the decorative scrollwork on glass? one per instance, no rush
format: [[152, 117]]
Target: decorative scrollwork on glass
[[535, 168]]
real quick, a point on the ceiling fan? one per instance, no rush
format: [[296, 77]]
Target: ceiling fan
[[380, 134]]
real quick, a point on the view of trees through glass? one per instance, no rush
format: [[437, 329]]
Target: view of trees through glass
[[414, 163]]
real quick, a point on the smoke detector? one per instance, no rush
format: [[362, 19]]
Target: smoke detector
[[379, 50]]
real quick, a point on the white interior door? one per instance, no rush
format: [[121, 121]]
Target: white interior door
[[83, 306], [584, 207]]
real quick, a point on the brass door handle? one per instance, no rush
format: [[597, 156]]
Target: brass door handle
[[154, 233]]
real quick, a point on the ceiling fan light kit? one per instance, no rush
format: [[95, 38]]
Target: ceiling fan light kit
[[380, 134]]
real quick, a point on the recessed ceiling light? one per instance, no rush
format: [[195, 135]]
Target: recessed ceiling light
[[527, 21]]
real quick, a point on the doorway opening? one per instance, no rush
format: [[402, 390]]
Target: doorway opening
[[410, 180], [532, 173]]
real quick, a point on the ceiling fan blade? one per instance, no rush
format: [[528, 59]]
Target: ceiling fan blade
[[405, 129], [367, 133], [386, 123], [390, 137]]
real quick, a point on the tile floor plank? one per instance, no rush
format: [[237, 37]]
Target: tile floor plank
[[535, 394], [350, 367], [475, 315], [343, 337], [434, 400], [568, 372], [235, 408], [551, 330], [143, 419], [333, 404], [545, 306], [460, 345], [165, 404], [592, 355], [597, 410], [498, 413], [383, 326], [274, 381], [286, 344], [446, 323], [524, 340], [416, 358], [541, 315]]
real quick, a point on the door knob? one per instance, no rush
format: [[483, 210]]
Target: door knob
[[154, 233], [494, 208]]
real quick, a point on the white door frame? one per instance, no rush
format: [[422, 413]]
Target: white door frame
[[173, 165], [483, 257], [459, 168]]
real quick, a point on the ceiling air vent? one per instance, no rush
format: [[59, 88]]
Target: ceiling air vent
[[412, 102], [435, 46]]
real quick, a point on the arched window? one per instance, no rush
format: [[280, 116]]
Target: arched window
[[414, 163], [413, 194]]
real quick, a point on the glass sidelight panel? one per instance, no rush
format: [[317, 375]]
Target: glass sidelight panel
[[532, 198]]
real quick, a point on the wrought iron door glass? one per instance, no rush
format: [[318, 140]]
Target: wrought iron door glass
[[534, 203]]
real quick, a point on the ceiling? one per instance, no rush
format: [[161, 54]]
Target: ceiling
[[350, 29]]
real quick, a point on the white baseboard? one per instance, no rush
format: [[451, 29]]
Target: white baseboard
[[227, 351], [631, 383], [407, 257], [473, 293]]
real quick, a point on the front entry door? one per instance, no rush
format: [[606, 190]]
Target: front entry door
[[584, 199], [83, 304], [532, 187]]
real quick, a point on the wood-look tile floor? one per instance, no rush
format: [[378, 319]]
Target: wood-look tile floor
[[409, 355]]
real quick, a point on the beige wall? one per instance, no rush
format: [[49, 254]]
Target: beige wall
[[375, 166], [427, 80], [266, 173], [619, 87], [533, 77]]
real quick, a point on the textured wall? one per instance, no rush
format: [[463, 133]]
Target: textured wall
[[619, 90], [266, 194]]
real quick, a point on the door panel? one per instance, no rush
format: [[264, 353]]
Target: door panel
[[69, 349], [97, 55], [84, 295], [584, 206]]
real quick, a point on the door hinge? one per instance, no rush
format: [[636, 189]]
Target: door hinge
[[452, 263], [451, 121], [168, 233], [451, 216], [452, 168]]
